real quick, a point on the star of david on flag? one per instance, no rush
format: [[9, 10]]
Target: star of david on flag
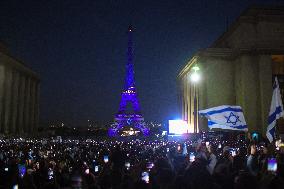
[[225, 117], [276, 111]]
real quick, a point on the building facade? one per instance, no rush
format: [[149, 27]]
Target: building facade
[[19, 96], [238, 69]]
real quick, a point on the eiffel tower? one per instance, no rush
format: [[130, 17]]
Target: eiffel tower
[[129, 113]]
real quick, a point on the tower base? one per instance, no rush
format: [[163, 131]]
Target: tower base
[[131, 121]]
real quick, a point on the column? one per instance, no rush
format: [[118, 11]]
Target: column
[[7, 100], [189, 97], [249, 94], [202, 96], [27, 106], [182, 98], [185, 98], [265, 87], [21, 105], [189, 102], [14, 103], [197, 106], [2, 79]]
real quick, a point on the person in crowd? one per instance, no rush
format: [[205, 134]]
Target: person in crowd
[[212, 159], [239, 160], [252, 161], [244, 180], [225, 162], [223, 172]]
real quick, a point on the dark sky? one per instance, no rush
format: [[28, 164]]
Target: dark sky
[[79, 49]]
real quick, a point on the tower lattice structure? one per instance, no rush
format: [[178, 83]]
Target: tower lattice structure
[[129, 113]]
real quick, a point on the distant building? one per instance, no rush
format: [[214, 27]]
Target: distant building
[[19, 96], [238, 68]]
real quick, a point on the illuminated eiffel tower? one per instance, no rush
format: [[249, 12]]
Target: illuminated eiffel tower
[[129, 113]]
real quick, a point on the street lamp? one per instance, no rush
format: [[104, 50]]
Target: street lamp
[[195, 77]]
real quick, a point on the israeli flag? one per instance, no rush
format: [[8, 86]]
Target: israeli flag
[[225, 117], [276, 111]]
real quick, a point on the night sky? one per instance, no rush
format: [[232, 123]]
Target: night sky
[[79, 50]]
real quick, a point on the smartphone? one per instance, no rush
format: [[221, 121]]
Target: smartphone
[[105, 159], [233, 152], [220, 146], [37, 165], [6, 169], [94, 164], [255, 136], [22, 170], [15, 186], [207, 144], [149, 165], [191, 157], [96, 169], [87, 171], [272, 165], [179, 148], [50, 174], [30, 155], [168, 149], [145, 177], [127, 165]]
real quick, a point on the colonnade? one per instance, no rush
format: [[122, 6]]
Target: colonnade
[[19, 102]]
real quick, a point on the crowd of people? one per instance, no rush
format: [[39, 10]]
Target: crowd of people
[[157, 164]]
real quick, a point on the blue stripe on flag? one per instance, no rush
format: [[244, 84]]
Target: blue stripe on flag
[[241, 127], [211, 123], [272, 132], [222, 110], [272, 117]]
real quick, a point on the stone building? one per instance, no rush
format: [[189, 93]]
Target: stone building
[[238, 68], [19, 96]]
